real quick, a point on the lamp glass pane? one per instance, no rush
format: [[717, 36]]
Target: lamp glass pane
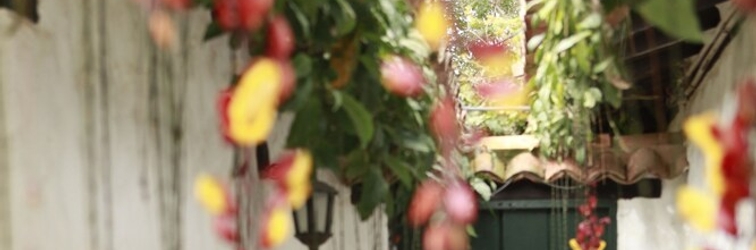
[[320, 203], [301, 219]]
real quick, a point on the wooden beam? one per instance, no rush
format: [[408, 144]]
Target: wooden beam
[[528, 190], [510, 142]]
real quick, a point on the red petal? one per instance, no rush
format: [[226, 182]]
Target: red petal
[[485, 48], [496, 89]]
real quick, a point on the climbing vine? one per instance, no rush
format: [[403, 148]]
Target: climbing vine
[[576, 71]]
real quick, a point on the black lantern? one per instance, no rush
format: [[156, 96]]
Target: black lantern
[[312, 221]]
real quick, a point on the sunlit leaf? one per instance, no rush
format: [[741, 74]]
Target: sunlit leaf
[[346, 18], [571, 41], [675, 17]]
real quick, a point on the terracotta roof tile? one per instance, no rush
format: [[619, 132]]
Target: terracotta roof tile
[[635, 158]]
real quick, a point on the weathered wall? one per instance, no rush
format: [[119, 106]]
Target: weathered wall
[[653, 223], [101, 134]]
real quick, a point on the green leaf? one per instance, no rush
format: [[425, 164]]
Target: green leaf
[[213, 30], [481, 188], [337, 100], [302, 65], [374, 189], [674, 17], [535, 41], [304, 23], [600, 67], [415, 45], [356, 164], [305, 125], [591, 97], [301, 96], [346, 19], [361, 118], [471, 231], [204, 3], [400, 169], [567, 43], [591, 21]]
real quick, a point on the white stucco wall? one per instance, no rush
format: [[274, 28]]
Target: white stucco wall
[[653, 223], [89, 154]]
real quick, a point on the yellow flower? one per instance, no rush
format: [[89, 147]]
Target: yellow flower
[[278, 227], [210, 193], [699, 130], [298, 186], [301, 169], [574, 245], [499, 64], [697, 208], [252, 110], [299, 194], [520, 97], [432, 23], [256, 129]]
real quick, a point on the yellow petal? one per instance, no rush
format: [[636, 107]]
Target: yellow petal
[[251, 110], [698, 130], [278, 228], [499, 65], [574, 245], [301, 169], [299, 194], [255, 129], [520, 97], [431, 22], [210, 193], [602, 245], [697, 208]]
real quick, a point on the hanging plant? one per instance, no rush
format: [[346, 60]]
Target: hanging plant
[[576, 70]]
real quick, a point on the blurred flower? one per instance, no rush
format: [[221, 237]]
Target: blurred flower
[[574, 245], [252, 110], [504, 93], [432, 23], [697, 208], [443, 124], [460, 202], [402, 77], [699, 129], [226, 228], [424, 202], [292, 174], [162, 29], [276, 225], [224, 98], [211, 193], [445, 236]]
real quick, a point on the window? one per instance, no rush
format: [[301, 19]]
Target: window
[[535, 224]]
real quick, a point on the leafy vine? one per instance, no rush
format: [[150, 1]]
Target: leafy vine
[[575, 71]]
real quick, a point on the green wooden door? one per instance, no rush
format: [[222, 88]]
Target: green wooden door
[[534, 224]]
